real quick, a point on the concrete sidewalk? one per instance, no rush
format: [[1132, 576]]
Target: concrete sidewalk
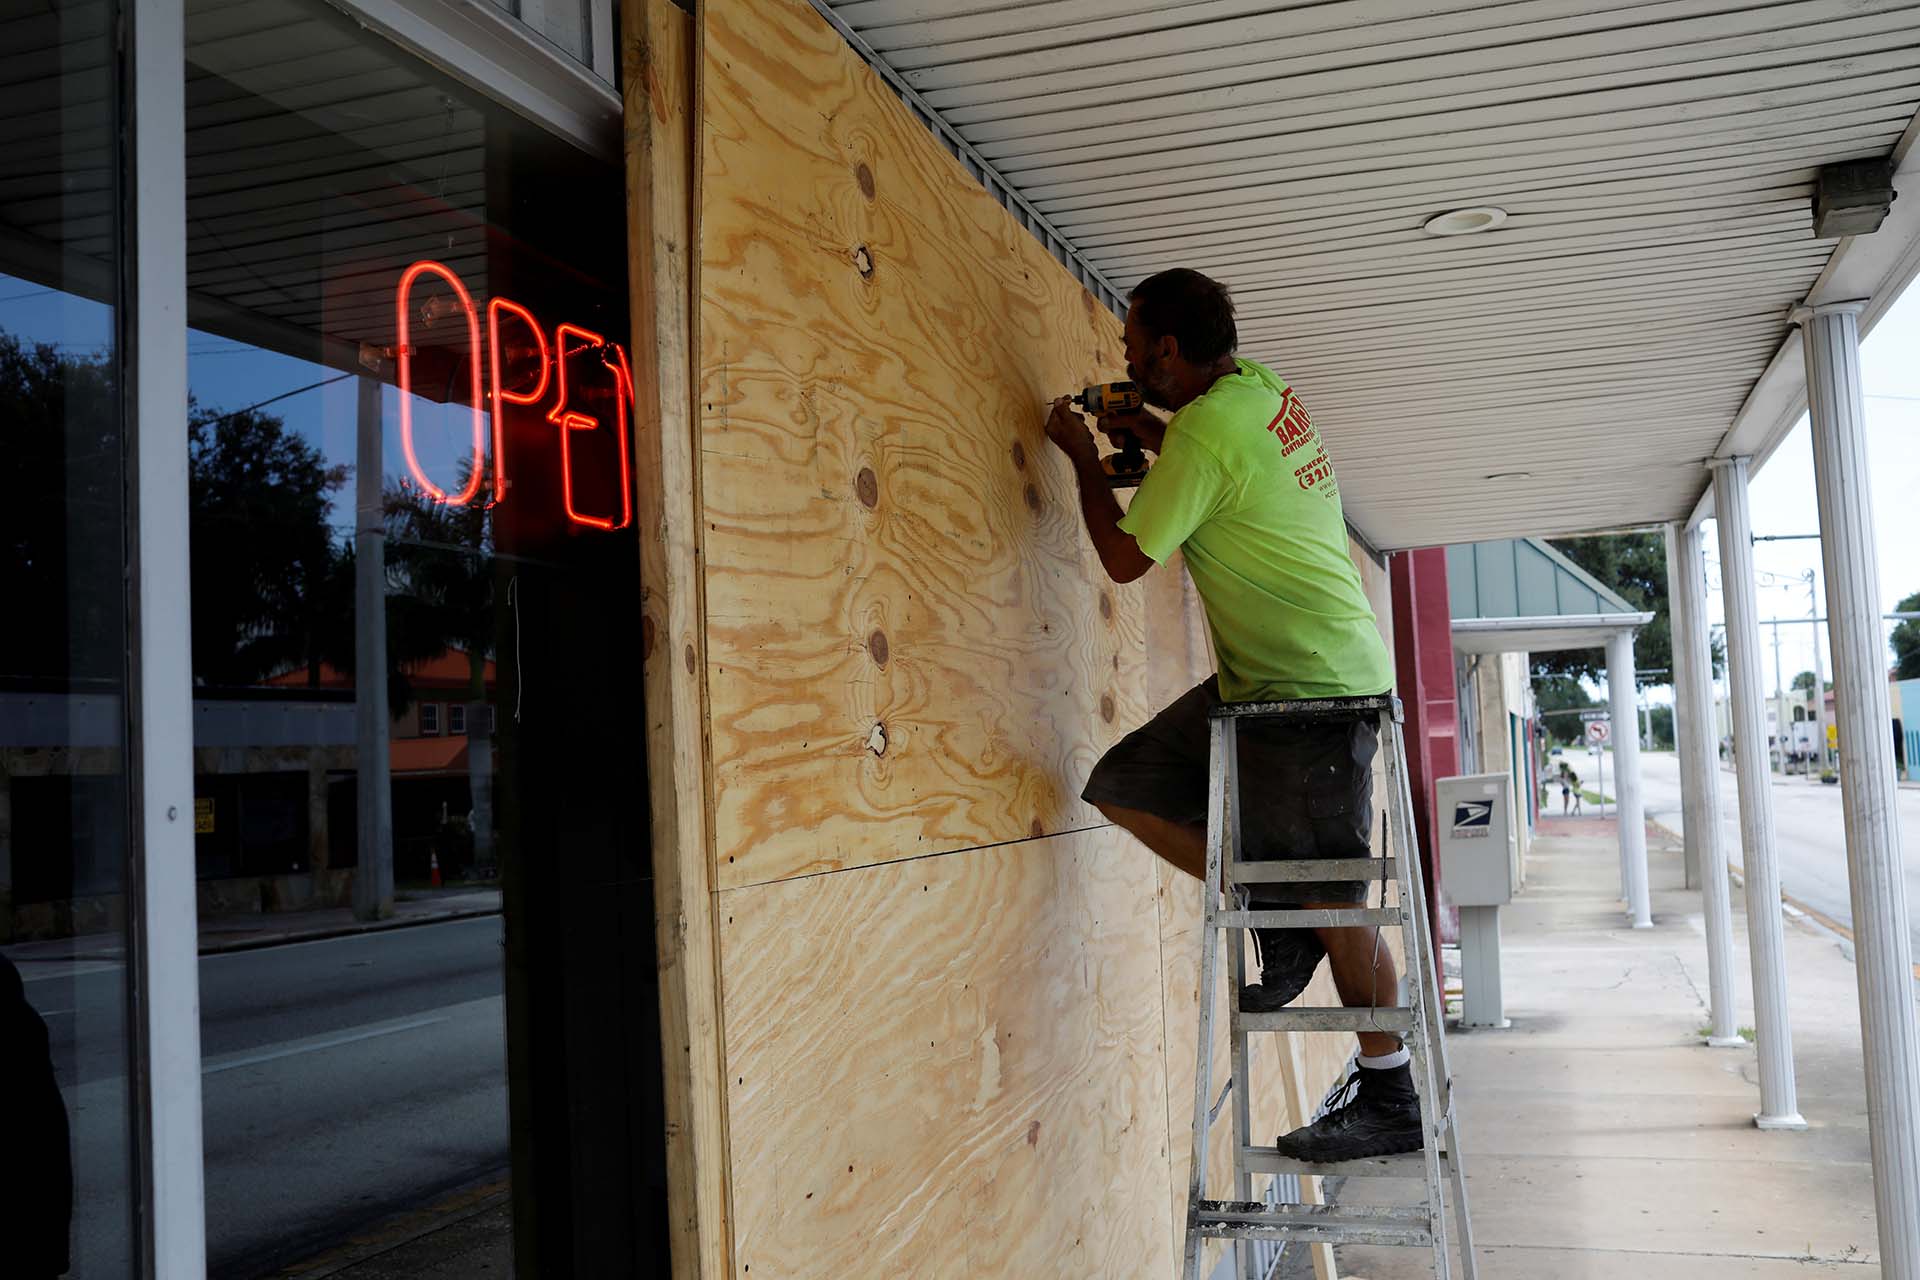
[[1602, 1139]]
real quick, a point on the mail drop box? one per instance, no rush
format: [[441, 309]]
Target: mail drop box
[[1474, 813]]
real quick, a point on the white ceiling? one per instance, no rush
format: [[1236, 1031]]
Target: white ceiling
[[1656, 161]]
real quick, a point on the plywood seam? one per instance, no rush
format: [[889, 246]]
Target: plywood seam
[[913, 857], [696, 160]]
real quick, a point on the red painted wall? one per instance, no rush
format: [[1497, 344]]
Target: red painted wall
[[1423, 660]]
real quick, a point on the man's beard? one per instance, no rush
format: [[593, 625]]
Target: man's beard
[[1153, 385]]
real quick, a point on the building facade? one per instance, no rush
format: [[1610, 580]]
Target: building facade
[[386, 243]]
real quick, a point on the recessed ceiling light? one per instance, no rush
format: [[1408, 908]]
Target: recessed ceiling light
[[1511, 475], [1464, 222]]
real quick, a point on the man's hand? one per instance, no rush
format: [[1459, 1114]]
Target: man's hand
[[1120, 555], [1067, 429], [1148, 429]]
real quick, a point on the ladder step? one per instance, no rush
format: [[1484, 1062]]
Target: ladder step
[[1309, 709], [1397, 1019], [1407, 1225], [1324, 918], [1269, 1160], [1288, 870]]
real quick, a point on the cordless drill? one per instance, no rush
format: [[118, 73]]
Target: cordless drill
[[1126, 468]]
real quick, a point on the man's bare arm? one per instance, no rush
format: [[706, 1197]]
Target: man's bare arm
[[1120, 554]]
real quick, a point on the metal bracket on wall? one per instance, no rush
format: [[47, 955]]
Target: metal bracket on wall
[[982, 170]]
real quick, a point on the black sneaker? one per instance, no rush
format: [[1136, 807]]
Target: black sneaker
[[1381, 1117], [1288, 958]]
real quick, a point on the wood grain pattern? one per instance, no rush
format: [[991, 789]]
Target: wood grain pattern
[[658, 56], [911, 646], [950, 1067]]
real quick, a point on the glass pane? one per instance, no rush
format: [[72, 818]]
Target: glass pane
[[415, 596], [63, 654]]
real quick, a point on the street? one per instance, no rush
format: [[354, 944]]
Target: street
[[1809, 831], [344, 1080]]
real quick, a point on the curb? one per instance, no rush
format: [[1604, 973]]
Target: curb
[[262, 941], [257, 942]]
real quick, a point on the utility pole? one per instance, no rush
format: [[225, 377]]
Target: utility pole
[[1779, 703], [1819, 675], [373, 877]]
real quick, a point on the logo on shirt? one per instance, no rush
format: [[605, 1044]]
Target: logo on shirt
[[1292, 425]]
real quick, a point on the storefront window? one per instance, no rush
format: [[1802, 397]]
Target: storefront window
[[415, 656], [67, 1126]]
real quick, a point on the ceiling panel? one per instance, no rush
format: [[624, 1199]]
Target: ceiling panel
[[1655, 160]]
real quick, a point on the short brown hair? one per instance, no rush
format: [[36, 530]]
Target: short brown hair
[[1195, 309]]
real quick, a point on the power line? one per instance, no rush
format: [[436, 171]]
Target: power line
[[312, 386]]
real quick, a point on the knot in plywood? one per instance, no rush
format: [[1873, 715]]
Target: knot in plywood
[[877, 739], [864, 176], [866, 486]]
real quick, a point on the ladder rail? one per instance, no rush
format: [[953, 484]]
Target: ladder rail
[[1450, 1117], [1236, 982], [1420, 1044], [1209, 942]]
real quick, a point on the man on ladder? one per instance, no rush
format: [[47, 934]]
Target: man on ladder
[[1242, 487]]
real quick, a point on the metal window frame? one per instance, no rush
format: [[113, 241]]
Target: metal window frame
[[163, 925], [498, 55], [482, 47]]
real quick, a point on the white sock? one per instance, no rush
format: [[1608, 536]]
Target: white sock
[[1386, 1061]]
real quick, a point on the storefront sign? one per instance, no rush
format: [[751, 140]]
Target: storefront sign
[[574, 352]]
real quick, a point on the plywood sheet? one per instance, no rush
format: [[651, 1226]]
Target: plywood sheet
[[950, 1067], [911, 647]]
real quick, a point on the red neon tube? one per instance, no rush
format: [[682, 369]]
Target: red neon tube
[[405, 362], [503, 397], [569, 421]]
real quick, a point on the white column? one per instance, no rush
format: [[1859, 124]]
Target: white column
[[1630, 811], [1687, 747], [1779, 1103], [164, 942], [1883, 960], [1700, 771]]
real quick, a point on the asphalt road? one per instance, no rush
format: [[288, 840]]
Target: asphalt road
[[1809, 833], [342, 1081]]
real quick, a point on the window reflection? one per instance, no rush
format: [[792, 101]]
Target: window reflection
[[64, 1095]]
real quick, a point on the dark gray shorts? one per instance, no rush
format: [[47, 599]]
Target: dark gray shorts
[[1307, 788]]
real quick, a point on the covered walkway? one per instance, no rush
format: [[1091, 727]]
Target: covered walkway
[[1604, 1140]]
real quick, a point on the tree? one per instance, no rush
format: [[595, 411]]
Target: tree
[[1906, 641], [1660, 717], [61, 532], [267, 572], [1634, 565], [1803, 683], [1555, 697]]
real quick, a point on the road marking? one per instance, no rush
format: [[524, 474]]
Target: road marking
[[230, 1062]]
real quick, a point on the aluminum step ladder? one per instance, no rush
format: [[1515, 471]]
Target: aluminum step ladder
[[1246, 1220]]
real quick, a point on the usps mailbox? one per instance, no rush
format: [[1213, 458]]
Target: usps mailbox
[[1476, 869]]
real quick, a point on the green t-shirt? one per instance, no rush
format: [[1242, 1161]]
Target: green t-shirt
[[1244, 490]]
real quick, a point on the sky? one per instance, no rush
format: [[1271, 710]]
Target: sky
[[1783, 502]]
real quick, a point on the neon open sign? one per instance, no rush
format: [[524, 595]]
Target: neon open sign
[[572, 348]]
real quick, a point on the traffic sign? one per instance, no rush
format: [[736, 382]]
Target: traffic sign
[[1598, 731], [1596, 715]]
